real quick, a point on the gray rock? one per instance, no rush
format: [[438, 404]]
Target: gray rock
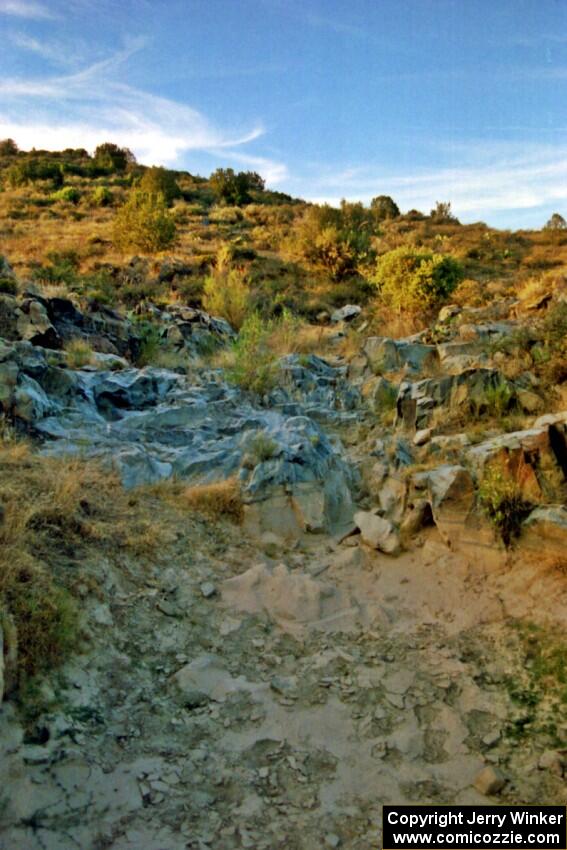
[[553, 761], [346, 313], [489, 781], [208, 590], [422, 437], [378, 532], [545, 531]]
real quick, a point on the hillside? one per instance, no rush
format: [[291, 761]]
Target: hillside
[[283, 510]]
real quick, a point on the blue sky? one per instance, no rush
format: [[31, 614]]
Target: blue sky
[[424, 100]]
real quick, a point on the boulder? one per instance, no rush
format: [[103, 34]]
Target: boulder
[[448, 312], [489, 781], [419, 516], [452, 498], [545, 532], [535, 458], [30, 402], [34, 325], [422, 437], [346, 313], [392, 498], [391, 355], [377, 532]]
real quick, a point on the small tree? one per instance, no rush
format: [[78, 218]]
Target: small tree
[[255, 364], [441, 213], [416, 282], [143, 223], [384, 208], [112, 157], [157, 180], [8, 147], [232, 188], [556, 222]]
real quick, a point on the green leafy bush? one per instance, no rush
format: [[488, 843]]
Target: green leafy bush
[[255, 364], [62, 268], [384, 208], [8, 285], [416, 282], [335, 241], [232, 188], [143, 223], [68, 194], [102, 197], [503, 503], [160, 181]]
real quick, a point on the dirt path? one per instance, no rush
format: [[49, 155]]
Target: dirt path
[[232, 700]]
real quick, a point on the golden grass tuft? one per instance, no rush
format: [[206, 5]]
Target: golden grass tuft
[[221, 500], [53, 513], [79, 353], [216, 501]]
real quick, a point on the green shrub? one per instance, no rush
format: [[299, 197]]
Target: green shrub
[[335, 241], [102, 197], [263, 447], [160, 181], [416, 282], [232, 188], [143, 224], [68, 194], [79, 353], [384, 207], [226, 293], [502, 502], [63, 268], [150, 343], [494, 402], [8, 286], [255, 364]]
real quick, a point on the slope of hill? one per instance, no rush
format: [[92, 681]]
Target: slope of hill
[[282, 511]]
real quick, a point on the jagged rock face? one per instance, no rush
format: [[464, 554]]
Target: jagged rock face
[[50, 322], [467, 390], [152, 424], [389, 355]]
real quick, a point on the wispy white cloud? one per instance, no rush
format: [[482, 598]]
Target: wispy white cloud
[[26, 9], [92, 105], [484, 184], [56, 53]]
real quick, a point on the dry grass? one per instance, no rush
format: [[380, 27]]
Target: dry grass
[[79, 353], [217, 501], [53, 512]]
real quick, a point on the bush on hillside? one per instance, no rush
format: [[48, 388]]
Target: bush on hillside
[[102, 197], [68, 194], [556, 222], [416, 282], [226, 293], [233, 188], [333, 240], [255, 364], [160, 181], [384, 208], [143, 224], [110, 157]]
